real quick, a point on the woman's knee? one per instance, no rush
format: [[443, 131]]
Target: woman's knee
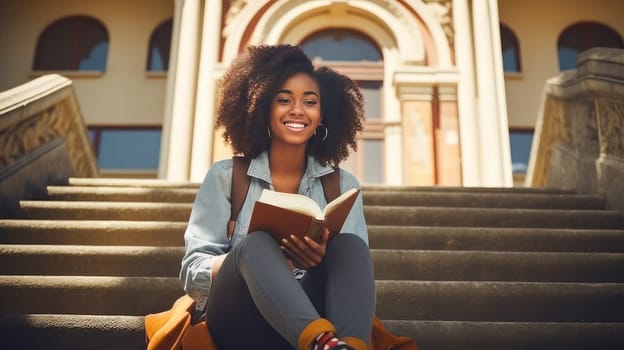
[[347, 240], [257, 243], [347, 244]]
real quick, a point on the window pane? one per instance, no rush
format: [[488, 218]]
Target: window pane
[[567, 58], [373, 161], [583, 36], [341, 45], [96, 59], [371, 91], [510, 64], [520, 142], [129, 149], [159, 47], [511, 50]]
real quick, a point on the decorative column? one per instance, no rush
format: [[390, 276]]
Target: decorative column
[[205, 102], [466, 95], [446, 129], [181, 87], [494, 150], [418, 135]]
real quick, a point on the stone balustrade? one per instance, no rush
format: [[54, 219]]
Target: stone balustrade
[[43, 139], [579, 136]]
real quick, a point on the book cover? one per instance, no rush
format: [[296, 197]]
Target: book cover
[[283, 214]]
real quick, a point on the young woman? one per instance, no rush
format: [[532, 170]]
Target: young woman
[[296, 124]]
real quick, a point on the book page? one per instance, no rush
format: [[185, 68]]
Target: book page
[[295, 202]]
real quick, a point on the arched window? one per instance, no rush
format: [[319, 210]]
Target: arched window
[[582, 36], [356, 55], [73, 43], [341, 45], [511, 50], [159, 47]]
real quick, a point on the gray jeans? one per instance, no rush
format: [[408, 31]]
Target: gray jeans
[[255, 301]]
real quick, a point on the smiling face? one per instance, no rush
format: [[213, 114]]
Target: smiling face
[[295, 111]]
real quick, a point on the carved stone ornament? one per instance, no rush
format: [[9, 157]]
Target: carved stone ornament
[[24, 137], [234, 9], [559, 125], [611, 127], [443, 11]]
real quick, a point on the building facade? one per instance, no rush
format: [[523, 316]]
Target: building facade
[[446, 82]]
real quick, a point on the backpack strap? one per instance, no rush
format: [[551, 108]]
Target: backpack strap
[[240, 186], [241, 181], [331, 185]]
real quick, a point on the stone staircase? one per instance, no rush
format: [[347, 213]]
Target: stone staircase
[[457, 268]]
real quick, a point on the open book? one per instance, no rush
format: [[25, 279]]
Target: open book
[[283, 214]]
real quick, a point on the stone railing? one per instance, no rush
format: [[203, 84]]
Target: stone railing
[[43, 140], [579, 136]]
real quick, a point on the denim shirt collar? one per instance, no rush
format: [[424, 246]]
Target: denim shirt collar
[[259, 168]]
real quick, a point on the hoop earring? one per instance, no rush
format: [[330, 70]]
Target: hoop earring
[[326, 132], [269, 131]]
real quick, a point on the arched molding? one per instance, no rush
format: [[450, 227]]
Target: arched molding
[[388, 22], [236, 25], [390, 25], [378, 34], [435, 17]]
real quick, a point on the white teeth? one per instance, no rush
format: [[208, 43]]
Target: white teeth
[[295, 125]]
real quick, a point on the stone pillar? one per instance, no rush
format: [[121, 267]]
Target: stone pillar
[[600, 81], [448, 160], [205, 102], [579, 135], [610, 165], [181, 89], [418, 135], [494, 148], [466, 95]]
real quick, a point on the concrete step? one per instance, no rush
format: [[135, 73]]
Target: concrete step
[[399, 300], [163, 233], [494, 217], [85, 232], [91, 295], [81, 210], [371, 197], [498, 266], [53, 331], [156, 183], [375, 215], [147, 261], [127, 261], [97, 332], [129, 182], [500, 301], [127, 194], [457, 189], [118, 182], [495, 239], [482, 200], [476, 335]]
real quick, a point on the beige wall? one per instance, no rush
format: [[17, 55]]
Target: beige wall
[[131, 96], [537, 24]]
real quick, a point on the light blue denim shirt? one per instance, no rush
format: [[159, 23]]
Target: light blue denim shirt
[[205, 235]]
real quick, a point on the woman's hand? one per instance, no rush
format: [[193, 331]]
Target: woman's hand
[[306, 253]]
